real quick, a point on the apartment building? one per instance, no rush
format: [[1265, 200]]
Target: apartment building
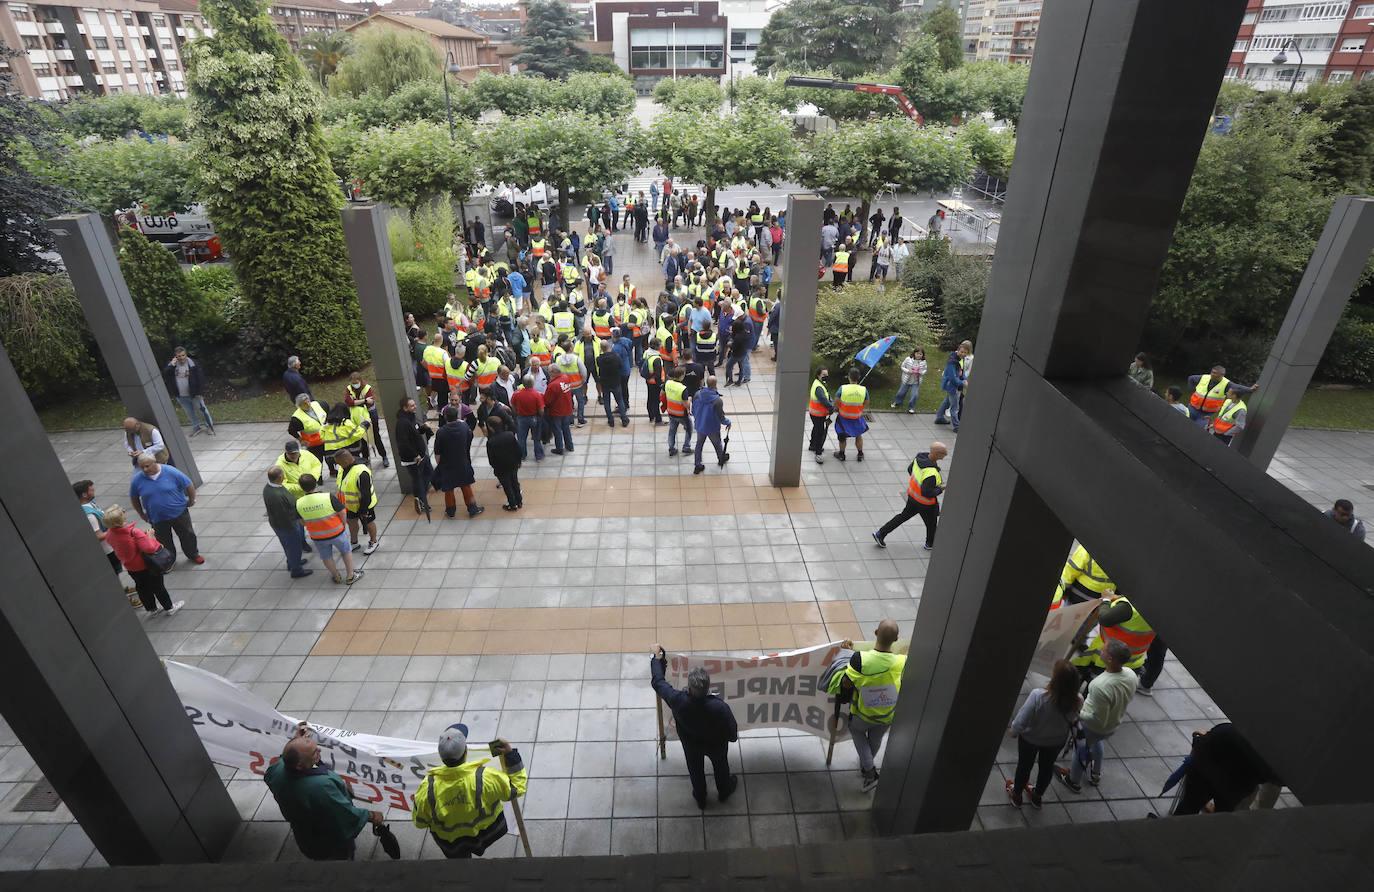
[[1320, 40], [979, 17], [297, 19]]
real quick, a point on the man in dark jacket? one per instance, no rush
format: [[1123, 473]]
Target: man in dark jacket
[[294, 381], [705, 726], [315, 802], [412, 453], [741, 333], [708, 417], [922, 493], [185, 381], [608, 380], [1225, 769], [490, 408], [622, 343], [503, 454], [453, 469]]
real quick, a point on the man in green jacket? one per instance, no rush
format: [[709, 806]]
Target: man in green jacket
[[315, 801]]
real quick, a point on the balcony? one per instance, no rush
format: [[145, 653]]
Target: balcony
[[53, 27], [65, 55], [72, 80]]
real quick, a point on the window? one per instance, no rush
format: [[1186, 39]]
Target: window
[[1240, 46], [1368, 75], [1353, 45], [108, 68], [128, 18], [128, 65], [142, 64], [119, 44], [101, 43], [1231, 72], [32, 43], [1364, 11], [42, 69], [166, 44], [160, 20], [20, 13], [1338, 77], [1248, 19], [173, 65]]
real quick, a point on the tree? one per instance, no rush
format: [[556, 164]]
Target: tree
[[752, 145], [384, 61], [550, 39], [895, 153], [847, 320], [45, 334], [269, 187], [943, 25], [968, 90], [762, 91], [323, 52], [169, 308], [991, 150], [603, 65], [844, 37], [108, 117], [602, 95], [127, 173], [689, 94], [410, 164], [571, 151], [514, 95], [27, 199]]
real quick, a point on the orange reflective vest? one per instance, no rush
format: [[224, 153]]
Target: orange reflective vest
[[317, 512], [817, 407], [487, 372], [601, 324], [1225, 420], [675, 394], [918, 476], [568, 363], [1209, 397], [434, 362], [1135, 633], [841, 262], [850, 399], [312, 424], [758, 310]]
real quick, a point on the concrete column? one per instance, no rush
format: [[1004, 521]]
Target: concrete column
[[1083, 238], [1331, 277], [84, 690], [94, 271], [797, 325], [369, 251]]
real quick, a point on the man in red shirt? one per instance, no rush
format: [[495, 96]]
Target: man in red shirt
[[558, 405], [528, 404]]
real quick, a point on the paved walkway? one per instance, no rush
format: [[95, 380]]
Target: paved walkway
[[537, 626]]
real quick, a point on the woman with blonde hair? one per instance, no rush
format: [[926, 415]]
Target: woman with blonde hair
[[130, 544]]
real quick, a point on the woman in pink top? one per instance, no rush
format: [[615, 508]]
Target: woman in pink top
[[130, 544]]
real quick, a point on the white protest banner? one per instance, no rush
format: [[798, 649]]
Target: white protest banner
[[1062, 628], [775, 691], [240, 730]]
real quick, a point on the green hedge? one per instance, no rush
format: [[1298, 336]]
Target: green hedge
[[1350, 355], [850, 320], [423, 286]]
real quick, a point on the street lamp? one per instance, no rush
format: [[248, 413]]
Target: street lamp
[[1282, 59], [450, 67]]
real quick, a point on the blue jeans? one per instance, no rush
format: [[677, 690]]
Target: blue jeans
[[562, 432], [715, 441], [673, 422], [608, 261], [754, 338], [1089, 750], [292, 540], [524, 425], [915, 389], [580, 395], [189, 405], [950, 402], [606, 395]]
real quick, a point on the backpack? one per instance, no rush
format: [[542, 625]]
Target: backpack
[[645, 372]]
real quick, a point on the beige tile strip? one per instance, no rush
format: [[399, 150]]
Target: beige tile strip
[[711, 493], [699, 627]]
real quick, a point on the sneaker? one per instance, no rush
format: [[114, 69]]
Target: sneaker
[[1144, 691], [624, 422], [1013, 794], [198, 559], [893, 406], [819, 460], [176, 605], [353, 546], [1094, 779], [1036, 802], [879, 540], [911, 411], [840, 456], [301, 574], [1067, 781], [509, 508], [860, 456], [386, 463], [135, 601], [698, 469], [942, 421], [357, 574], [870, 781], [582, 424], [195, 432], [734, 785], [672, 453], [556, 451], [129, 589], [927, 546], [372, 546], [154, 612]]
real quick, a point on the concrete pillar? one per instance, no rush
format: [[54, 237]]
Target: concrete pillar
[[1084, 235], [797, 325], [1331, 277], [90, 260], [369, 251], [84, 690]]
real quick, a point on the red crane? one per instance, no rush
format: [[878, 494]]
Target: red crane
[[830, 83]]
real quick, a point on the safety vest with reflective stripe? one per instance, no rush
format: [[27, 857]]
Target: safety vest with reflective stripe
[[758, 310], [620, 312], [706, 341], [454, 373], [1226, 418], [876, 685], [470, 280], [667, 344], [487, 372], [756, 219], [1208, 398], [637, 319], [563, 322], [312, 424], [653, 362], [676, 394], [434, 362], [918, 476], [1087, 573], [540, 350], [629, 292], [817, 407], [317, 512], [850, 399], [537, 246], [350, 489], [601, 324], [305, 463], [570, 274], [482, 288], [583, 347], [535, 225], [460, 801], [1135, 633], [340, 435], [568, 363], [841, 262]]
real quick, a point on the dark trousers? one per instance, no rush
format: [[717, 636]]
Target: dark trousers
[[696, 756], [819, 425], [655, 410], [420, 474], [715, 441], [625, 391], [1028, 753], [510, 484], [1154, 662], [181, 524], [440, 388], [151, 589], [929, 513], [292, 541], [1197, 792], [378, 440]]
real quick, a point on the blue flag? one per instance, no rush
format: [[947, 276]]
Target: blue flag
[[870, 355]]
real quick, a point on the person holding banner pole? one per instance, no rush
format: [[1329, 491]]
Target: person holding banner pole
[[705, 725], [460, 804], [315, 802], [871, 683]]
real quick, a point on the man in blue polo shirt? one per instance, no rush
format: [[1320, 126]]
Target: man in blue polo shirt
[[163, 497]]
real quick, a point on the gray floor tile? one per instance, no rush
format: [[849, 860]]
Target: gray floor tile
[[773, 830], [820, 827], [587, 837], [635, 797], [590, 798], [727, 832], [633, 837], [767, 794]]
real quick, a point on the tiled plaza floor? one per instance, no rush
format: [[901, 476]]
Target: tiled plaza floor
[[537, 626]]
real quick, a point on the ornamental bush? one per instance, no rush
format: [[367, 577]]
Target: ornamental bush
[[423, 286], [849, 320], [45, 335], [270, 189]]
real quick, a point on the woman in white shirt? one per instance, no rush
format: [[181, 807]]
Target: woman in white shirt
[[913, 370]]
